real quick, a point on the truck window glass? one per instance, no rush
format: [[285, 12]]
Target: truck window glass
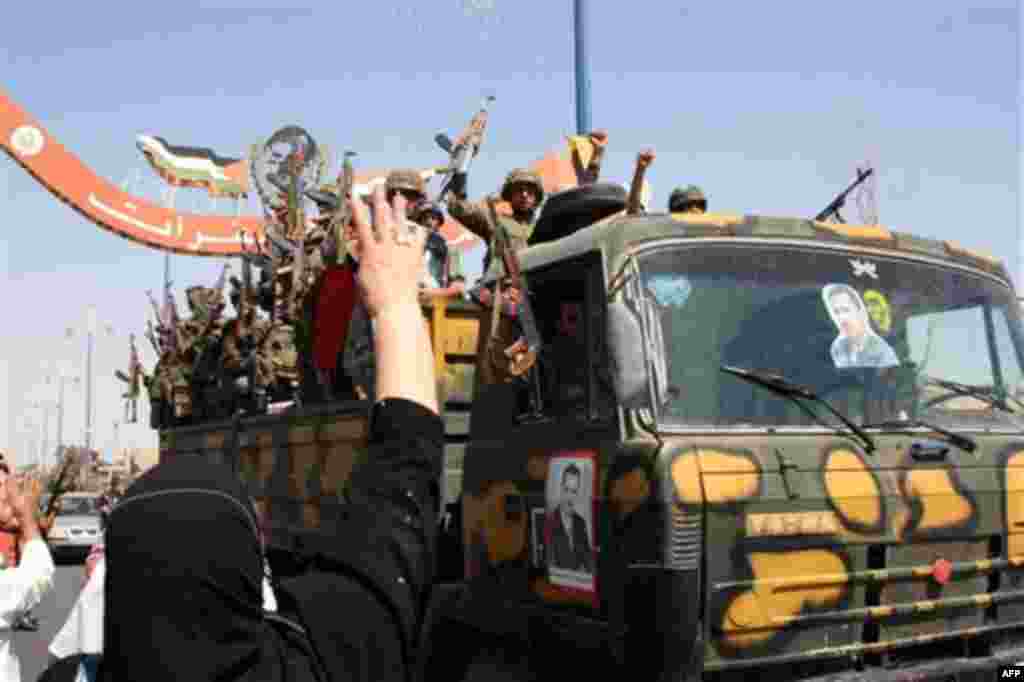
[[790, 311]]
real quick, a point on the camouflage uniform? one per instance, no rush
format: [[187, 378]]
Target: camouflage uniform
[[476, 218], [497, 332], [683, 199], [280, 351]]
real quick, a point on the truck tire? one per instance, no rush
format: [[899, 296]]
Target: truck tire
[[570, 210]]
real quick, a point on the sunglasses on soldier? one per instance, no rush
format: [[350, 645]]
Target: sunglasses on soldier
[[410, 196]]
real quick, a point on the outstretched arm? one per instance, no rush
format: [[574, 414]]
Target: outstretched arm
[[383, 568], [472, 215], [636, 188]]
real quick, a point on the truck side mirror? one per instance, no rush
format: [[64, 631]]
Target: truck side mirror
[[627, 357]]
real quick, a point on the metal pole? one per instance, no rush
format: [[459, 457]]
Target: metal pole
[[46, 434], [88, 378], [42, 436], [60, 415], [582, 70], [167, 271]]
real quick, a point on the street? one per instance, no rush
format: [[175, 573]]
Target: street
[[32, 646]]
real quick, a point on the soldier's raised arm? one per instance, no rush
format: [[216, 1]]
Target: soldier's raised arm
[[636, 188], [472, 215]]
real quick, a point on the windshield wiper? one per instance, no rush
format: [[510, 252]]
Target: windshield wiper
[[984, 393], [785, 388], [961, 441]]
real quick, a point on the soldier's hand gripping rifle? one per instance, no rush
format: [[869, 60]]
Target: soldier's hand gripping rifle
[[524, 352], [464, 149], [247, 305], [215, 306], [152, 338], [134, 381], [343, 213], [840, 200], [154, 305]]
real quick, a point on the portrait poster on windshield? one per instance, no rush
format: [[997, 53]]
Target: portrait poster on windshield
[[569, 538]]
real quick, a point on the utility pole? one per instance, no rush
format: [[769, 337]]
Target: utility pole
[[90, 336], [582, 68], [167, 273], [60, 413], [46, 434]]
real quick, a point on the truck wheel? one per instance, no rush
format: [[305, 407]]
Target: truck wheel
[[569, 210], [498, 665]]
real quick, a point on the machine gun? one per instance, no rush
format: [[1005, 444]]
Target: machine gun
[[464, 149], [833, 208]]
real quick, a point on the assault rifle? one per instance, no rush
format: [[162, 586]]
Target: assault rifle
[[152, 338], [464, 149], [343, 215], [840, 200], [247, 305], [530, 344], [133, 378]]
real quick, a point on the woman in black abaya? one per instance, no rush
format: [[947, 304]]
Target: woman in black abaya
[[184, 564]]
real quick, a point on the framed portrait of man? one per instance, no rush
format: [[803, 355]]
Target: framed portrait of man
[[569, 548]]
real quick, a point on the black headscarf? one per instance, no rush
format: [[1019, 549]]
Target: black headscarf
[[184, 581]]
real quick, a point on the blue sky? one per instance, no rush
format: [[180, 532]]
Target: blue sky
[[768, 107]]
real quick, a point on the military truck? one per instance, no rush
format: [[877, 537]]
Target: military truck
[[752, 446]]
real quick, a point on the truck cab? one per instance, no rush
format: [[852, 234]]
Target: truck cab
[[751, 445]]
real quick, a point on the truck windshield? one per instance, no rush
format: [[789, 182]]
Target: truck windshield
[[880, 338]]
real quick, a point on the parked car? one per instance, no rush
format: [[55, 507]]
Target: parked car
[[77, 527]]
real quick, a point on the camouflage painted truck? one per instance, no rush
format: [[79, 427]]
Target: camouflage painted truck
[[752, 446]]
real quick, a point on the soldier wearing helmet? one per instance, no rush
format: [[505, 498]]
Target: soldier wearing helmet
[[689, 199], [408, 183], [523, 190], [444, 267]]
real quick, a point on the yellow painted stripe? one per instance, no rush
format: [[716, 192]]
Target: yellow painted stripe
[[856, 231], [712, 219], [958, 250]]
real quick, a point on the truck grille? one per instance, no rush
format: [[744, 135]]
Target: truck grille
[[685, 535]]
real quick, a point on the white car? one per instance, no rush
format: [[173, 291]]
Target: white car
[[77, 527]]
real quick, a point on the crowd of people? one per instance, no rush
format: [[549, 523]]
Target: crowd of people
[[181, 588], [181, 583]]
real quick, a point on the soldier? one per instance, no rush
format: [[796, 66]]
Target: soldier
[[689, 199], [241, 350], [444, 266], [524, 191], [408, 183]]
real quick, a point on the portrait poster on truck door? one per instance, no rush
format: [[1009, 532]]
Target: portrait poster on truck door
[[569, 527]]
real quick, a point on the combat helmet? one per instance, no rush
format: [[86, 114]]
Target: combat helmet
[[684, 196], [405, 179], [522, 176]]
